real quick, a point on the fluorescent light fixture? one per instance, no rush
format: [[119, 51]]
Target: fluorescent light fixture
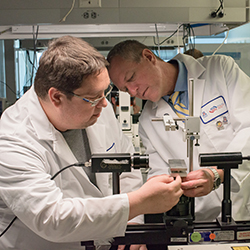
[[100, 30]]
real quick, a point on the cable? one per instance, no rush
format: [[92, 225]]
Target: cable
[[61, 170], [79, 164], [35, 35], [188, 36], [21, 91], [32, 63], [178, 41], [7, 228], [222, 43], [8, 87], [64, 18], [158, 42], [221, 9], [3, 31], [188, 32], [169, 36]]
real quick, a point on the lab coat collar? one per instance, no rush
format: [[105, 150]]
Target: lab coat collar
[[99, 139], [45, 130], [196, 71], [41, 124], [96, 139], [194, 68]]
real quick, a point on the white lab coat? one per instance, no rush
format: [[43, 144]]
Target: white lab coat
[[215, 78], [60, 213]]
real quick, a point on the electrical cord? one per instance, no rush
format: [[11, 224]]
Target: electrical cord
[[3, 31], [188, 35], [158, 41], [221, 9], [168, 37], [32, 63], [188, 32], [35, 35], [221, 43], [4, 83], [7, 228], [79, 164], [64, 18]]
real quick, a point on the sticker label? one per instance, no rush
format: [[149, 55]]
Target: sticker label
[[200, 236], [178, 239], [241, 248], [224, 235], [243, 235], [213, 109], [196, 237]]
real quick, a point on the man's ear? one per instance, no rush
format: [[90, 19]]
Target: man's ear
[[148, 55], [55, 96]]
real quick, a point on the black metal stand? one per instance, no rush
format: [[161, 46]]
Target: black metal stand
[[178, 231], [115, 164], [116, 183], [157, 236], [226, 161]]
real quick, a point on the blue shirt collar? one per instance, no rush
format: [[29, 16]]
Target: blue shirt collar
[[181, 83]]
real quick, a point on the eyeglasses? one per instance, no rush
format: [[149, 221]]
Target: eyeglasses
[[96, 101]]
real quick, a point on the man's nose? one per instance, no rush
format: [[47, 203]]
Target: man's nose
[[102, 103], [132, 90]]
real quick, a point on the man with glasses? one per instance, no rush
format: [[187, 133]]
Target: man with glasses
[[62, 120], [95, 102]]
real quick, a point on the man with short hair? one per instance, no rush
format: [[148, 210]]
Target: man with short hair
[[61, 121], [221, 100]]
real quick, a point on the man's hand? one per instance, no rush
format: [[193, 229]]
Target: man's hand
[[198, 183], [158, 195]]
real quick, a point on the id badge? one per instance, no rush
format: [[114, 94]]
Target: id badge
[[213, 109]]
